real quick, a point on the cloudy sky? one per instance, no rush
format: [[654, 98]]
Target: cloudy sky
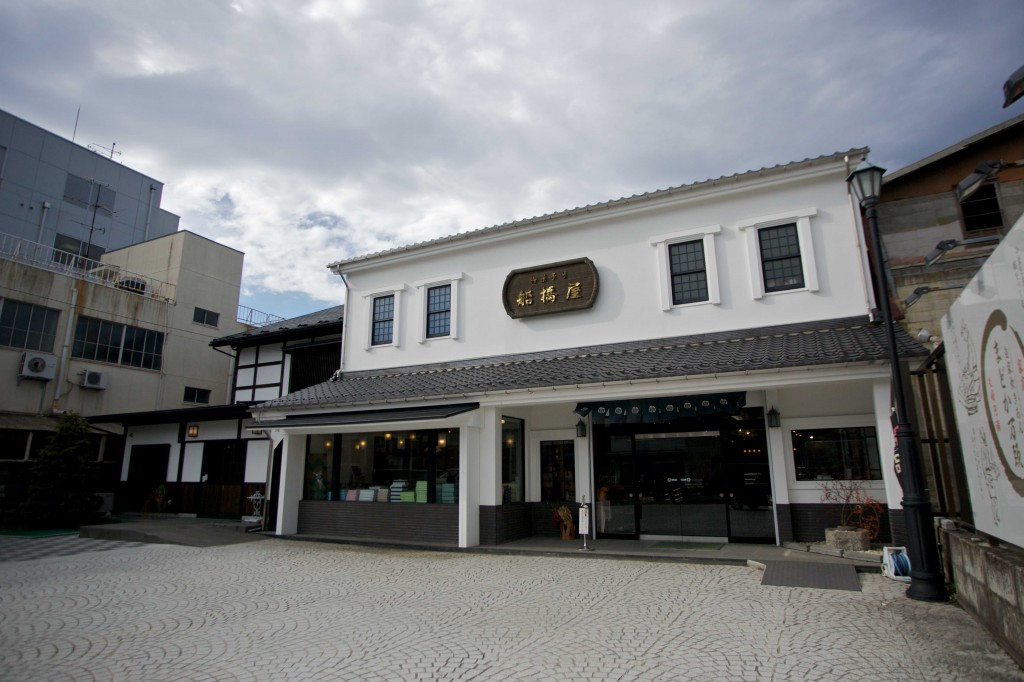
[[304, 132]]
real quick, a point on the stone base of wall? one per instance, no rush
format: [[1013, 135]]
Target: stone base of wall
[[504, 523], [809, 521], [989, 585], [437, 523]]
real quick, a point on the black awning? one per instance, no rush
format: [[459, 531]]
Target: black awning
[[399, 414], [652, 410]]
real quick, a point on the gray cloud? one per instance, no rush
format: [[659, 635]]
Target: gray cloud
[[306, 132]]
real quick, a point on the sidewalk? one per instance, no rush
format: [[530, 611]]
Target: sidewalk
[[213, 532], [170, 530]]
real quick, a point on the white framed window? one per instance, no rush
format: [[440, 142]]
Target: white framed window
[[383, 326], [688, 267], [832, 448], [780, 253], [439, 308]]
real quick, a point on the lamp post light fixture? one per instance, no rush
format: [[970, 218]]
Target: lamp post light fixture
[[947, 245], [921, 291], [926, 580]]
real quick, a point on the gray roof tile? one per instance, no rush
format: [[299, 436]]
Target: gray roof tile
[[302, 323], [827, 342]]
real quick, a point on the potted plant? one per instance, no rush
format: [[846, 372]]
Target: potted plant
[[859, 514]]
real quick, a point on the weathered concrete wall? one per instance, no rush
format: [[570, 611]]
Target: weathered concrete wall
[[989, 585]]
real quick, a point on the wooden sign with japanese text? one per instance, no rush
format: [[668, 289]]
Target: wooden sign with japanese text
[[552, 288]]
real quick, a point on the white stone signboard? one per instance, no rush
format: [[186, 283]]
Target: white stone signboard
[[983, 333]]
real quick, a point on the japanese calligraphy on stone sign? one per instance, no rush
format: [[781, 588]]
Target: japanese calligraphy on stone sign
[[552, 288]]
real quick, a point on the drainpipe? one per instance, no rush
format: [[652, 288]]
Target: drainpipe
[[55, 406], [344, 326], [149, 210], [42, 221]]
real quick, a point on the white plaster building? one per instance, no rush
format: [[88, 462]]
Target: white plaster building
[[203, 458], [699, 360]]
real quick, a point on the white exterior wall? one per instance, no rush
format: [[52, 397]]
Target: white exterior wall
[[628, 305], [626, 245]]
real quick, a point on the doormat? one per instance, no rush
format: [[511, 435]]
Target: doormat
[[687, 545], [37, 533], [810, 574]]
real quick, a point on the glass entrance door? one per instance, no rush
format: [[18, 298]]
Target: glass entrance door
[[681, 484], [665, 480], [615, 474], [748, 487]]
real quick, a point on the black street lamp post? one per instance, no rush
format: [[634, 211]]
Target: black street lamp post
[[926, 580]]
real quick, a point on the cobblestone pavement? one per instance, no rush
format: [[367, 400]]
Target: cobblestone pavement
[[14, 548], [282, 609]]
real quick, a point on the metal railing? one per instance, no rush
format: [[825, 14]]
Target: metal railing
[[256, 318], [63, 262]]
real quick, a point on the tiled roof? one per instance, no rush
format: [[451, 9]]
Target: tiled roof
[[302, 324], [953, 149], [613, 203], [827, 342]]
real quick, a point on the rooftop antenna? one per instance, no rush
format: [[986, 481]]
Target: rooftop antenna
[[75, 132], [97, 147]]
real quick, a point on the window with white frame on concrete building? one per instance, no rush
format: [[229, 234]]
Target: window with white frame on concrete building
[[28, 326], [836, 454]]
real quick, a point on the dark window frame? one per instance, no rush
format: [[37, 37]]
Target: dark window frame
[[196, 395], [38, 332], [821, 453], [119, 344], [382, 329], [439, 311], [982, 212], [79, 191], [686, 275], [205, 317], [782, 267]]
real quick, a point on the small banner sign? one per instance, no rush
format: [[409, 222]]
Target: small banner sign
[[553, 288]]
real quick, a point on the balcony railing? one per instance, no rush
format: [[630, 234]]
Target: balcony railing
[[256, 318], [48, 258]]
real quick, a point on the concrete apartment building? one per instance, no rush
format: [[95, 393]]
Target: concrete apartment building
[[61, 194], [104, 306]]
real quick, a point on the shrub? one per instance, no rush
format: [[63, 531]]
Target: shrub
[[57, 494]]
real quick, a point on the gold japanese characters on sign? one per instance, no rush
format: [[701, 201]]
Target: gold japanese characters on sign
[[553, 288]]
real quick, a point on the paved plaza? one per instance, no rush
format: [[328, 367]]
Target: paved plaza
[[289, 610]]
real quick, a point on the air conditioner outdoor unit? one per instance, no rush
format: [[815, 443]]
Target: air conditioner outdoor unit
[[93, 379], [38, 366]]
